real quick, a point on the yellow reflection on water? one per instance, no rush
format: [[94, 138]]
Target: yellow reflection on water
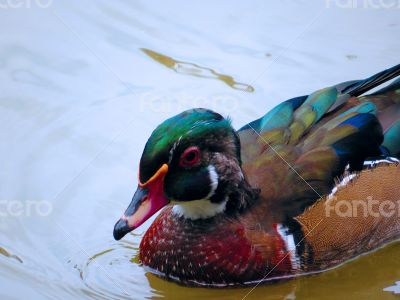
[[363, 278], [192, 69], [8, 254]]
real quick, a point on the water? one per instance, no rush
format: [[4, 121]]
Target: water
[[85, 83]]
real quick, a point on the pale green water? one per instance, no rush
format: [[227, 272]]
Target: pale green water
[[83, 84]]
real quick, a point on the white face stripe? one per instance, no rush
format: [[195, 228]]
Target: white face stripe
[[212, 173], [290, 244], [202, 208]]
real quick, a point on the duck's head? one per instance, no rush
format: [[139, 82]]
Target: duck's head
[[192, 160]]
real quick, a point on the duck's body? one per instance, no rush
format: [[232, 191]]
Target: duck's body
[[223, 251], [265, 203]]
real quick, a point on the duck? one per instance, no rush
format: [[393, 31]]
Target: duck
[[305, 188]]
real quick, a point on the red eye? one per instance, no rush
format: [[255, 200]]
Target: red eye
[[190, 157]]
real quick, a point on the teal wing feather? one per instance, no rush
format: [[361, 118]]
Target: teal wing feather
[[392, 139], [295, 152]]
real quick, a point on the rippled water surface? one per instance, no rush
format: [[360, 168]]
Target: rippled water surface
[[83, 84]]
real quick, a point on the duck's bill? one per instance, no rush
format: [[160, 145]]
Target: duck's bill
[[148, 199]]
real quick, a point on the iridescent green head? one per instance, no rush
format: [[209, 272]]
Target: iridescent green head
[[188, 144]]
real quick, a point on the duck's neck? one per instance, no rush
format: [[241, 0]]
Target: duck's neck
[[241, 196], [199, 209]]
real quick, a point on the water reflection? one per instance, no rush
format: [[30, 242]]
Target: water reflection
[[192, 69], [361, 278], [8, 254], [111, 273], [394, 288]]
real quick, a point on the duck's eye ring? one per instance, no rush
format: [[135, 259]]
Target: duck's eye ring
[[190, 157]]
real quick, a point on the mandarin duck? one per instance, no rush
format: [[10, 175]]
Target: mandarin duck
[[271, 200]]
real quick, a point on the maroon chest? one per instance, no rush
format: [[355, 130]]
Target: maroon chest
[[219, 251]]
